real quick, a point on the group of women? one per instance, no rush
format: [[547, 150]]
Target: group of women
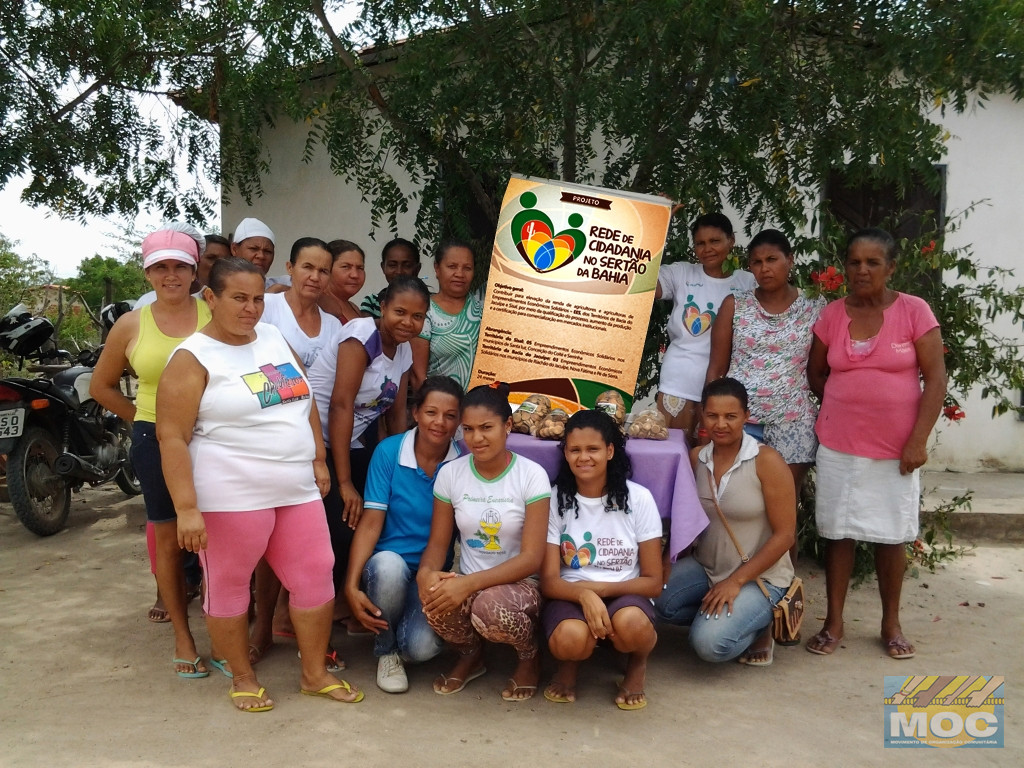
[[873, 359], [227, 372], [282, 439]]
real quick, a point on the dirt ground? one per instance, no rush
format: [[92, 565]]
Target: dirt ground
[[86, 680]]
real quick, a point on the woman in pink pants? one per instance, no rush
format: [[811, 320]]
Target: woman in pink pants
[[244, 462]]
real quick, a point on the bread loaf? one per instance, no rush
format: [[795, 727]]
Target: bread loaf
[[530, 414]]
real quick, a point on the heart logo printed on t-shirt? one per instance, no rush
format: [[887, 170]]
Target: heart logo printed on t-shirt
[[695, 321]]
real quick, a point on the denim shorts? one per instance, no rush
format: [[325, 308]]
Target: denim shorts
[[145, 456]]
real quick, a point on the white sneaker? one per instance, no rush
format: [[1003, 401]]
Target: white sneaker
[[391, 677]]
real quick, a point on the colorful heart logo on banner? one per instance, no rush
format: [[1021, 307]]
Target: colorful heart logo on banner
[[534, 236]]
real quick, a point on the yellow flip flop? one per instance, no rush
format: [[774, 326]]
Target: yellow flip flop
[[260, 694], [625, 705], [557, 698], [325, 692]]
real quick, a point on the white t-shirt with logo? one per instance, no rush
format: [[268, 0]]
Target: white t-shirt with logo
[[603, 545], [252, 446], [277, 313], [489, 514], [381, 379], [696, 300]]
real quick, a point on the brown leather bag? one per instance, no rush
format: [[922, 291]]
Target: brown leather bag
[[788, 613]]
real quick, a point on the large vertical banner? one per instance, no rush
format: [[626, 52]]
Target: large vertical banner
[[572, 280]]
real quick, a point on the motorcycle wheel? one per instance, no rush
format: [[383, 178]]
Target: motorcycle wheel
[[125, 477], [40, 497]]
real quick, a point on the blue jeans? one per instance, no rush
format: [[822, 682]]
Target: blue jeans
[[715, 639], [391, 586]]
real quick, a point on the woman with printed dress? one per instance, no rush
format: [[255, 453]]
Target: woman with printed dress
[[497, 502]]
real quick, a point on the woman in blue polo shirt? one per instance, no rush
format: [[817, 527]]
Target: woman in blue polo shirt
[[393, 532]]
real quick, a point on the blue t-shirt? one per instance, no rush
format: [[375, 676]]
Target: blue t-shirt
[[397, 486]]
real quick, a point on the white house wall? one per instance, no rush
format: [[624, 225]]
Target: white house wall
[[307, 200], [986, 162]]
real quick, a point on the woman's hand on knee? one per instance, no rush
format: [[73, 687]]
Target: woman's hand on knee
[[447, 594], [720, 599], [365, 612], [596, 614], [425, 582]]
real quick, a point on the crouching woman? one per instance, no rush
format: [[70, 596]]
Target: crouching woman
[[596, 591], [747, 491]]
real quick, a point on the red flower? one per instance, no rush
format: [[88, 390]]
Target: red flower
[[828, 280], [928, 248], [954, 412]]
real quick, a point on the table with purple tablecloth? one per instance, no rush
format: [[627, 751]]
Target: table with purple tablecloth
[[661, 466]]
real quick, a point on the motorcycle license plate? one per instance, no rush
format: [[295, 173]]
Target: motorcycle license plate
[[12, 422]]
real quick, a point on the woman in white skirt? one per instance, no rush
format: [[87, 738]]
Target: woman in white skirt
[[870, 352]]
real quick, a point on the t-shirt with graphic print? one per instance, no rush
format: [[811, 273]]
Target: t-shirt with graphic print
[[489, 514], [252, 447], [601, 545], [379, 387], [696, 300]]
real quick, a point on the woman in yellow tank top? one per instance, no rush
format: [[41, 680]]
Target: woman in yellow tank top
[[143, 341]]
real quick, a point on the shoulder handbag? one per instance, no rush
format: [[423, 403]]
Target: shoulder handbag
[[788, 613]]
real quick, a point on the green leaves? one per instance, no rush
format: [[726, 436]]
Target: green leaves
[[18, 274], [126, 276], [756, 99]]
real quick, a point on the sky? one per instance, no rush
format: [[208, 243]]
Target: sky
[[61, 242]]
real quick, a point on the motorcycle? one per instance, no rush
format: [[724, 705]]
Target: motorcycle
[[56, 437]]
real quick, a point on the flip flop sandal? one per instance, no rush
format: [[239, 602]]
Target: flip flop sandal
[[745, 657], [325, 692], [260, 694], [332, 661], [256, 652], [462, 683], [558, 698], [222, 666], [158, 615], [515, 689], [826, 642], [626, 706], [899, 648], [195, 674]]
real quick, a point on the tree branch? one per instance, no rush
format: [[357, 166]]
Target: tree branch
[[68, 108], [417, 135]]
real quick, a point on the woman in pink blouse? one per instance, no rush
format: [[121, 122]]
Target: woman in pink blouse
[[870, 352]]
